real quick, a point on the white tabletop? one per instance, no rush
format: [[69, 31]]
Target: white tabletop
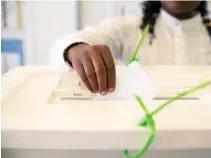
[[30, 121]]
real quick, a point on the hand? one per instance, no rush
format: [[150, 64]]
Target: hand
[[95, 66]]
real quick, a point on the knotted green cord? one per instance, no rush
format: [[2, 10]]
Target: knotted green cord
[[151, 127], [148, 120]]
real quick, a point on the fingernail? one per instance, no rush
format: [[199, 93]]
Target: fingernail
[[111, 90], [103, 93]]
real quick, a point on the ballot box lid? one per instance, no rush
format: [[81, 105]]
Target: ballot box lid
[[34, 117]]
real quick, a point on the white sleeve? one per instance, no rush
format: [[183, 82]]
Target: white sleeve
[[111, 32]]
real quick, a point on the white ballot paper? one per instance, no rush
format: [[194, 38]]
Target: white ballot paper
[[130, 82]]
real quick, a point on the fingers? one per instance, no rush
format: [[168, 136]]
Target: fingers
[[81, 72], [110, 67], [100, 72], [90, 74], [95, 66]]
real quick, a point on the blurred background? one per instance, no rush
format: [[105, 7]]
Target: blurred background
[[28, 28]]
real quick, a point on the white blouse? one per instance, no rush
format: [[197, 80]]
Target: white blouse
[[177, 42]]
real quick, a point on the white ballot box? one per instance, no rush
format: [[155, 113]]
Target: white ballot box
[[48, 113]]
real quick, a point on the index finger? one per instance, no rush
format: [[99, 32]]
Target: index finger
[[100, 72], [110, 67], [81, 72]]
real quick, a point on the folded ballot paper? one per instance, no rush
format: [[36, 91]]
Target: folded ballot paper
[[130, 82]]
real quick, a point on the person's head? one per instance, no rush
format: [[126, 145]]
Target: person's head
[[178, 9]]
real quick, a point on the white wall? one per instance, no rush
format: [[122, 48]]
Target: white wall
[[45, 21], [93, 12]]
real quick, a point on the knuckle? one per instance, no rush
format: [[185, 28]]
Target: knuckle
[[100, 70], [83, 57], [90, 74], [92, 51], [105, 47]]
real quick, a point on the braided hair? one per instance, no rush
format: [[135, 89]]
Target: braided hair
[[151, 10]]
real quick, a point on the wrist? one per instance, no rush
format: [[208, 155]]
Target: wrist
[[69, 49]]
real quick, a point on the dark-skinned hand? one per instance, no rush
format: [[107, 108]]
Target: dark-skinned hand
[[95, 66]]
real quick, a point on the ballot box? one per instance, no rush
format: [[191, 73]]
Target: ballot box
[[48, 113]]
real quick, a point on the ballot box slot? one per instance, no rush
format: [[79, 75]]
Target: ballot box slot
[[156, 98], [74, 98], [184, 98]]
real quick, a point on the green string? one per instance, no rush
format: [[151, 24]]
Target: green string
[[148, 121], [177, 97], [150, 126], [134, 57]]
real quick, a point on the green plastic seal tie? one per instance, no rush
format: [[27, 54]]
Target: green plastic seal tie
[[134, 57], [148, 121]]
